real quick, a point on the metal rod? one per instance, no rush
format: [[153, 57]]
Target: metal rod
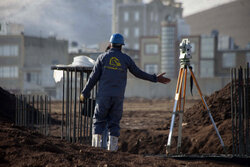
[[70, 112], [32, 111], [236, 114], [25, 112], [62, 123], [240, 112], [37, 110], [67, 106], [46, 115], [40, 114], [247, 110], [28, 111], [16, 110], [49, 115], [74, 120], [232, 110], [80, 110]]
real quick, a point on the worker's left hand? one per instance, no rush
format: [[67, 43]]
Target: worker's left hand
[[162, 79], [81, 98]]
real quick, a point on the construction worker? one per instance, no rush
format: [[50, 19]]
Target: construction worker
[[110, 70]]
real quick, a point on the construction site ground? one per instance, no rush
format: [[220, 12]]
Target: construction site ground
[[144, 132]]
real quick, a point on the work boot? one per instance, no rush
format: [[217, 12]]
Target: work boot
[[113, 143], [96, 140]]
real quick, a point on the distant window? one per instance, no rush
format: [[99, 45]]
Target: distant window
[[126, 32], [126, 16], [248, 57], [9, 50], [152, 16], [6, 50], [136, 46], [136, 56], [28, 77], [151, 68], [55, 62], [228, 60], [207, 47], [136, 32], [151, 49], [9, 72], [193, 47], [156, 17], [137, 16], [207, 68]]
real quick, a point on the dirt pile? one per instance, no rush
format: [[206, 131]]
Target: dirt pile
[[22, 147], [198, 134]]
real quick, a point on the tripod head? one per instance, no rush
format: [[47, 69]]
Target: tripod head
[[185, 52]]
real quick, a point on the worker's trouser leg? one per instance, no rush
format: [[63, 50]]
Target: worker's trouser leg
[[108, 110]]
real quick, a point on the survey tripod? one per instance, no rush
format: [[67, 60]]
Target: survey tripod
[[180, 93]]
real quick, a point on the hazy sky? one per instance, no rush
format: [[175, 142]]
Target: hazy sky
[[85, 21], [194, 6]]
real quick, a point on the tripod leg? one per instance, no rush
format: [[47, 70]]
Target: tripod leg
[[208, 110], [177, 97], [181, 111]]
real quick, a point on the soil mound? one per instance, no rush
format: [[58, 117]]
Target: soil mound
[[198, 133], [8, 105]]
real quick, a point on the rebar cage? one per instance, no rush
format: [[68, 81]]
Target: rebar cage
[[240, 115], [77, 118]]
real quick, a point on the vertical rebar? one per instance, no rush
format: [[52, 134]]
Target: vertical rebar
[[49, 115], [16, 109], [247, 110], [41, 115], [236, 113], [37, 111], [28, 111], [62, 122], [232, 110], [70, 112], [67, 106], [80, 109], [74, 120], [241, 128], [25, 111], [46, 114], [32, 111]]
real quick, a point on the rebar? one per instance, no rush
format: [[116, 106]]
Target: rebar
[[80, 128], [240, 111]]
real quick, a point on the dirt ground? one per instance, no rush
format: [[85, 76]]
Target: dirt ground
[[144, 133]]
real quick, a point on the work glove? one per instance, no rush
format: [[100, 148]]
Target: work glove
[[162, 79], [81, 98]]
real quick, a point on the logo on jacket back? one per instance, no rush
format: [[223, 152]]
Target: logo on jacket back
[[114, 64]]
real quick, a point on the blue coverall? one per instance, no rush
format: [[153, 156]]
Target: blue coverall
[[110, 70]]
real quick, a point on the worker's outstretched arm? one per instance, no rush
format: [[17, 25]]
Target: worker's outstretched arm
[[93, 78], [143, 75]]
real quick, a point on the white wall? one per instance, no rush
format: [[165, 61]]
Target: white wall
[[140, 88]]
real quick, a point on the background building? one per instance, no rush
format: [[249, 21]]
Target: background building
[[134, 19], [25, 63], [150, 59], [229, 19]]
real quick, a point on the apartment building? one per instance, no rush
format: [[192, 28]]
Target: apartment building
[[25, 63], [134, 19]]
